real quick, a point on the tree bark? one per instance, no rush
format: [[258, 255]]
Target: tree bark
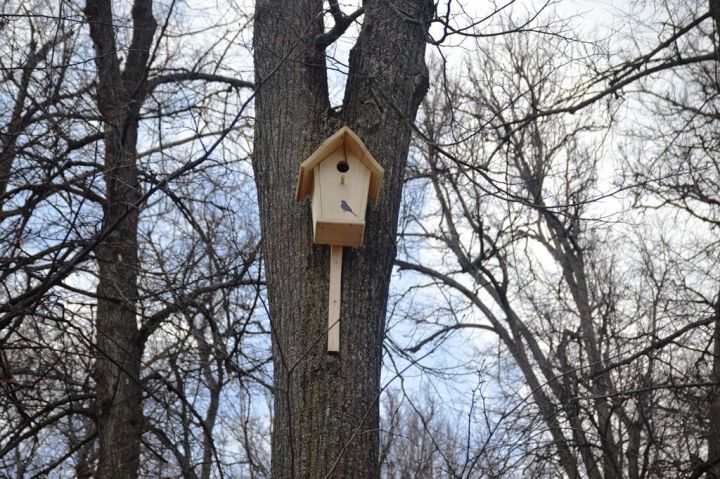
[[119, 344], [714, 409], [326, 406], [714, 412]]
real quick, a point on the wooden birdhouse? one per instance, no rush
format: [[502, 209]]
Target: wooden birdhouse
[[341, 176]]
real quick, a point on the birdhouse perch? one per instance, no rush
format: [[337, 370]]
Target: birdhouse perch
[[341, 176]]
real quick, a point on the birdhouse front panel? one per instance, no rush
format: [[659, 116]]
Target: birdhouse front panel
[[341, 183]]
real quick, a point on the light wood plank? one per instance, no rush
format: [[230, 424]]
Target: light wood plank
[[334, 301]]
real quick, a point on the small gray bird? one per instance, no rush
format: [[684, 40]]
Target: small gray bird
[[346, 207]]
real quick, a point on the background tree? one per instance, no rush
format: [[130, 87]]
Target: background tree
[[680, 174], [69, 208], [510, 210]]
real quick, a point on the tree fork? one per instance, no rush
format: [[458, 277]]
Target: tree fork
[[326, 406], [119, 416]]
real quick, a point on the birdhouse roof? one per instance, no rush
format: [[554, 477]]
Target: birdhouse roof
[[351, 142]]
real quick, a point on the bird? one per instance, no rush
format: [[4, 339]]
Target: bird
[[346, 207]]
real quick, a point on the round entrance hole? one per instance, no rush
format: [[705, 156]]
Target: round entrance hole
[[343, 166]]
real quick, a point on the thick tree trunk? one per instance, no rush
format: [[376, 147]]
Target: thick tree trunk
[[714, 409], [119, 414], [714, 412], [326, 406]]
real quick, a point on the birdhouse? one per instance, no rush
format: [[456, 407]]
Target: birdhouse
[[341, 176]]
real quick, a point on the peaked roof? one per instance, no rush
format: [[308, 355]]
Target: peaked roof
[[347, 138]]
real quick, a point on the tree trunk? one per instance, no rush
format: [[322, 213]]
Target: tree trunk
[[119, 414], [714, 410], [326, 406]]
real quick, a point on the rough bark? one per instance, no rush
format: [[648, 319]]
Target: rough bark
[[119, 414], [714, 409], [326, 410]]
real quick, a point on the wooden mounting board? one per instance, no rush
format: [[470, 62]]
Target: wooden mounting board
[[334, 299]]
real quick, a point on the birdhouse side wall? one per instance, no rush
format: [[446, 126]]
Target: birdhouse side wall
[[316, 202]]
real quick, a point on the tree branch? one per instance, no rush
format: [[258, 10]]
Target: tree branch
[[195, 76], [342, 23]]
